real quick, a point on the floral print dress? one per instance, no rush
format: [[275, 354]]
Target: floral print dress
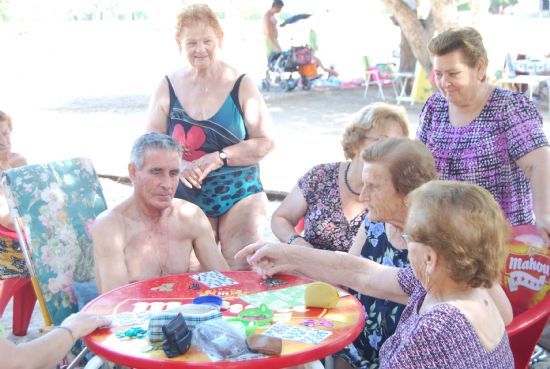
[[325, 225], [381, 316]]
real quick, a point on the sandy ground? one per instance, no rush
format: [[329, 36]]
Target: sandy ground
[[307, 127]]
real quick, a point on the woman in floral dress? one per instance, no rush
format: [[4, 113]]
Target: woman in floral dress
[[327, 196]]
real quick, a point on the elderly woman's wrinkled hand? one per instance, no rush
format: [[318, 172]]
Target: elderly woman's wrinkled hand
[[191, 174], [194, 172], [266, 258], [208, 163]]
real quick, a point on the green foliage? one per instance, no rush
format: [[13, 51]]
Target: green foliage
[[497, 4], [463, 6], [3, 10]]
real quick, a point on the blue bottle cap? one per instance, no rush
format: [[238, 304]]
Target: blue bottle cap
[[208, 299]]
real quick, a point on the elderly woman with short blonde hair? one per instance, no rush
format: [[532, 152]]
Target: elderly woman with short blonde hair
[[327, 196]]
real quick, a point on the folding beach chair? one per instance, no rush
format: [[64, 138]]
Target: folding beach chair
[[54, 206]]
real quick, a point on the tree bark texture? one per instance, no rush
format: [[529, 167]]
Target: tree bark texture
[[413, 30]]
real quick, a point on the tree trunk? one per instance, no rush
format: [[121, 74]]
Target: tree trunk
[[445, 14], [407, 60], [406, 55], [418, 33], [413, 30]]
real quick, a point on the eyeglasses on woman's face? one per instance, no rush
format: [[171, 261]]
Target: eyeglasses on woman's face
[[375, 138]]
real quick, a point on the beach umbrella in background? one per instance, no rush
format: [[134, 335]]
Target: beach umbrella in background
[[295, 18]]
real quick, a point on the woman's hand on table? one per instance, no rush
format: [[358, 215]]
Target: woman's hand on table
[[267, 258]]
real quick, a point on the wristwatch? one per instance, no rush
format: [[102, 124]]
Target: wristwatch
[[223, 156]]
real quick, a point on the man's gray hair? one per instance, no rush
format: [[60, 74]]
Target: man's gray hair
[[155, 141]]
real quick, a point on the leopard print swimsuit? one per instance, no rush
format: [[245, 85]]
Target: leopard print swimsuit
[[224, 187]]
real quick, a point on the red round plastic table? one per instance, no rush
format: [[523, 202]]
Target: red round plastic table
[[347, 320]]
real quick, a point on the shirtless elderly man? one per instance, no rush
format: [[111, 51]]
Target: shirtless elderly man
[[151, 233]]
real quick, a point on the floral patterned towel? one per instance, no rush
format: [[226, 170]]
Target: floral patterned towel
[[57, 203]]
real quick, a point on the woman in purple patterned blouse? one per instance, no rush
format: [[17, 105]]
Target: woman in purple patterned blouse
[[484, 134], [456, 235], [327, 196]]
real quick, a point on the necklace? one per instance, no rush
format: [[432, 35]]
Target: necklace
[[346, 181], [161, 265]]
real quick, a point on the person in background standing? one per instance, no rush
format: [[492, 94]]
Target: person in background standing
[[271, 33]]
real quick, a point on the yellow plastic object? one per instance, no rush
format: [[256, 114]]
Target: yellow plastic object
[[322, 295], [422, 87]]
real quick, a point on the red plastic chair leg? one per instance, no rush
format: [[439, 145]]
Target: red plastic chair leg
[[8, 287], [23, 305]]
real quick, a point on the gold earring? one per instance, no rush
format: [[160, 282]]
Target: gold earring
[[426, 278]]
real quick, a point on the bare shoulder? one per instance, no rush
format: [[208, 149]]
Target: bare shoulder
[[113, 219], [186, 210], [229, 73], [179, 77], [17, 160], [247, 83], [162, 94], [179, 73], [190, 214], [248, 89], [107, 220], [159, 105]]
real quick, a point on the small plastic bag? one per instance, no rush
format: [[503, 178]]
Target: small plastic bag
[[219, 340]]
